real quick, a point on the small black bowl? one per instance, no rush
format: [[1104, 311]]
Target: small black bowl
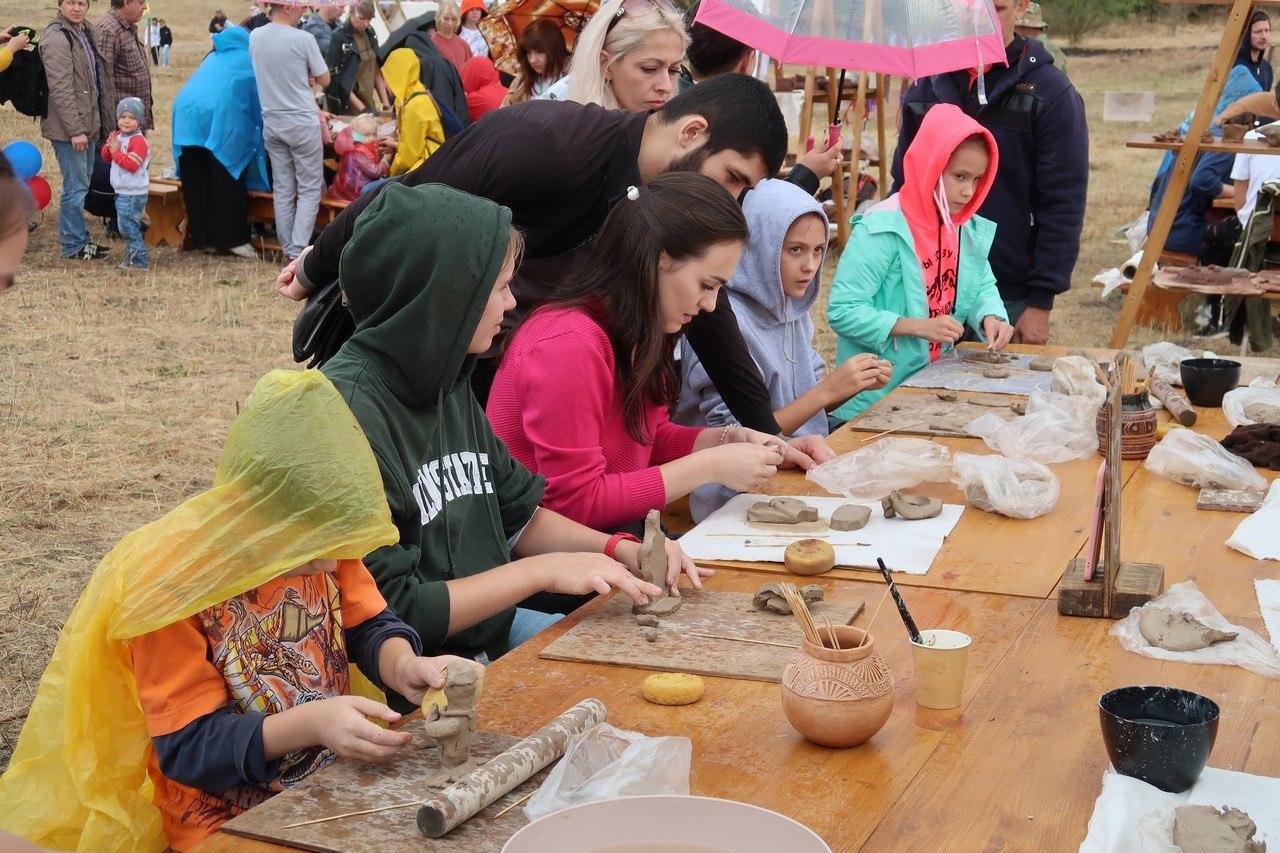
[[1206, 380], [1161, 735]]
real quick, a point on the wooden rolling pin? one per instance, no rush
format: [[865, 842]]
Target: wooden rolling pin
[[1174, 400], [443, 810]]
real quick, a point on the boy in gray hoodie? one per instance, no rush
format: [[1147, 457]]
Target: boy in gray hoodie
[[772, 291]]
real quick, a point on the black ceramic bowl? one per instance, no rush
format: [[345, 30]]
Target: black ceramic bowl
[[1206, 380], [1161, 735]]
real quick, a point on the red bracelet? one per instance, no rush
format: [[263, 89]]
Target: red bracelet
[[611, 547]]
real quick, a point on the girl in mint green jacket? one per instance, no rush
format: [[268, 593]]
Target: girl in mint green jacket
[[915, 272]]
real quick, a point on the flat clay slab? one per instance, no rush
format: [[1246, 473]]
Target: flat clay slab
[[609, 634], [348, 786], [927, 414]]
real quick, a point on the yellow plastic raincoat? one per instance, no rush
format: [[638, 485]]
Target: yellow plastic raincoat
[[297, 482], [418, 123]]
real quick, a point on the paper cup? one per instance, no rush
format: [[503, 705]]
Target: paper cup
[[940, 660]]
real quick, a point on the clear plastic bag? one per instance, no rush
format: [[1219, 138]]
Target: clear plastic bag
[[883, 466], [1257, 402], [1018, 488], [1077, 376], [1165, 358], [1056, 428], [604, 763], [1192, 459]]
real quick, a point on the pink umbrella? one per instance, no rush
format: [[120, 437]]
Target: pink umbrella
[[908, 38]]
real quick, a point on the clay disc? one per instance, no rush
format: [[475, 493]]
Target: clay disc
[[673, 688], [809, 557]]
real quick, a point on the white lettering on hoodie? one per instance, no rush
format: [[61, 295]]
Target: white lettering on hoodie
[[444, 480]]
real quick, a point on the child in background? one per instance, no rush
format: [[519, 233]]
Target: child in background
[[360, 158], [917, 270], [543, 59], [484, 91], [210, 650], [472, 11], [126, 148], [772, 290]]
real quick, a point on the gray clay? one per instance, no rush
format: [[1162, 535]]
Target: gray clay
[[948, 396], [653, 567], [651, 635], [1205, 829], [1263, 413], [1042, 363], [1018, 407], [850, 517], [988, 357], [451, 728], [1178, 631], [781, 511], [910, 507], [647, 620], [995, 373], [769, 597]]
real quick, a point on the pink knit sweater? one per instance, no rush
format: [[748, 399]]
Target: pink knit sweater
[[557, 404]]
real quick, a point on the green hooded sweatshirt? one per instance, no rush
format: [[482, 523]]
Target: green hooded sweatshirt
[[417, 274]]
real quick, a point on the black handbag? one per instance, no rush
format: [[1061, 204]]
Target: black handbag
[[323, 325]]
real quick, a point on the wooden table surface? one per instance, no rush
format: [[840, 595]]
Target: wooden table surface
[[1019, 765]]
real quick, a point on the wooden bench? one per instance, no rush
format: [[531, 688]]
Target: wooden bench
[[166, 213], [262, 209]]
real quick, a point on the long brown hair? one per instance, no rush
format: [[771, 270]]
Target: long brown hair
[[545, 37], [681, 214]]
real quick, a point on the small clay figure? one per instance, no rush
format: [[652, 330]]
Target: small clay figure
[[910, 507], [781, 511], [850, 517], [1272, 135], [647, 620], [769, 597], [1205, 829], [1042, 363], [653, 567], [450, 729], [996, 373], [987, 357], [651, 634], [947, 396], [1018, 407], [1178, 631]]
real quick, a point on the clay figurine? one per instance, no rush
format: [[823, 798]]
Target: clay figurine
[[782, 511], [1205, 829], [1018, 407], [910, 507], [947, 396], [647, 621], [651, 635], [809, 557], [988, 357], [850, 517], [653, 568], [1043, 363], [769, 597], [450, 729], [1178, 631]]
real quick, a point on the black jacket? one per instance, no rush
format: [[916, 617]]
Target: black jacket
[[1038, 199], [343, 60]]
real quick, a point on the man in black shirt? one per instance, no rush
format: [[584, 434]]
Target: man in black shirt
[[560, 166]]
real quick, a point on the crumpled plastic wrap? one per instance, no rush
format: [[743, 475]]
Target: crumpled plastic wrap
[[883, 466], [1193, 459], [1076, 376], [1256, 535], [604, 763], [1249, 650], [1166, 358], [1257, 402], [1017, 488], [1056, 428]]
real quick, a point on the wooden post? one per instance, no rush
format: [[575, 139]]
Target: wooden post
[[1158, 231], [806, 108], [882, 83], [855, 154], [834, 95], [1111, 505]]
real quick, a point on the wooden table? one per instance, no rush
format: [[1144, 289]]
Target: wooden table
[[1019, 765]]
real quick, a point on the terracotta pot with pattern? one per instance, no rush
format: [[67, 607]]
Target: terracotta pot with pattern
[[1137, 426], [838, 697]]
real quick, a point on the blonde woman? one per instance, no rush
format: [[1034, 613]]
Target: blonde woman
[[446, 38], [628, 57]]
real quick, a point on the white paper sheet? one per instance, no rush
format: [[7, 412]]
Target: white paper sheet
[[1256, 535], [954, 374], [1269, 604], [1133, 817], [905, 546]]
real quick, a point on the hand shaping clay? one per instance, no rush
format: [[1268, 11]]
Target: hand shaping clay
[[1205, 829], [809, 557], [782, 511], [1042, 363], [672, 688], [850, 517], [451, 728], [995, 373], [1178, 631], [910, 507], [653, 568], [769, 597]]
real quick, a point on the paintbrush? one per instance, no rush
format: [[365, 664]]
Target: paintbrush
[[912, 630]]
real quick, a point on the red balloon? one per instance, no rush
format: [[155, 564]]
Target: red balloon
[[40, 191]]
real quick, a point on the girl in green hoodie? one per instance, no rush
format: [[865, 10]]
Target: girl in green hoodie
[[426, 277]]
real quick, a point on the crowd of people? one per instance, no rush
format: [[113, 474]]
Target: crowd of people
[[436, 491]]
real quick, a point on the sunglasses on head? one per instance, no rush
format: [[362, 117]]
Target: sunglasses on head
[[637, 7]]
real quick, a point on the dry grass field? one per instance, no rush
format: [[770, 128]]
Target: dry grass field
[[116, 389]]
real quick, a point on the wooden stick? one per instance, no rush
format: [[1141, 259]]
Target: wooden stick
[[800, 610], [739, 639], [866, 634], [352, 814], [516, 803], [895, 429]]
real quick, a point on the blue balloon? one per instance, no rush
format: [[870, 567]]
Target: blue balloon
[[25, 159]]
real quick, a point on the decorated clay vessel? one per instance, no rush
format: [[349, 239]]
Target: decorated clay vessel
[[838, 697], [1137, 426]]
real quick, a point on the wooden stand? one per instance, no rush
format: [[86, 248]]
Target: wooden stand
[[1110, 594]]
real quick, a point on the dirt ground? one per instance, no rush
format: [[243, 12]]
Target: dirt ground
[[117, 388]]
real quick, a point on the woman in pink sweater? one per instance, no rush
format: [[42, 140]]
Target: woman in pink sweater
[[582, 394]]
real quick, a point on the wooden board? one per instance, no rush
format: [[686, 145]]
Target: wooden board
[[1229, 500], [346, 786], [923, 413], [609, 634]]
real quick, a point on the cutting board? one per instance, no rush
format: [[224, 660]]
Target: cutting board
[[609, 634], [926, 414], [348, 786]]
